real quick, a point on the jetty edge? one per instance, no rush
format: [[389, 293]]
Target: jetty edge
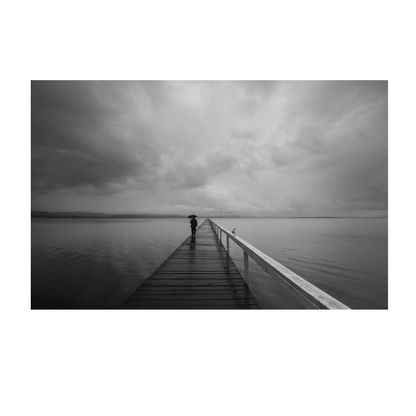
[[308, 295]]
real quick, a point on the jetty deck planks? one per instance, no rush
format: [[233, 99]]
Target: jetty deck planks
[[198, 275]]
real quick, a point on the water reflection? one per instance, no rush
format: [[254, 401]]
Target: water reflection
[[94, 263]]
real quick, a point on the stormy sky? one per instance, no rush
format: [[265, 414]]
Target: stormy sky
[[262, 148]]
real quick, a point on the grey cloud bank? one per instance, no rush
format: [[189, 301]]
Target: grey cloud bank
[[258, 148]]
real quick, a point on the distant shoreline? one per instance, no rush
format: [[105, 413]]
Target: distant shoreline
[[44, 214]]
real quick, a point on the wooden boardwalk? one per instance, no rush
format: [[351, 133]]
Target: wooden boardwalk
[[198, 275]]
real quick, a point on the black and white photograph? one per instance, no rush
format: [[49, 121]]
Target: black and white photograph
[[209, 194]]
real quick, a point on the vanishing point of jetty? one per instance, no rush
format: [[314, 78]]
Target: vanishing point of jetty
[[200, 274]]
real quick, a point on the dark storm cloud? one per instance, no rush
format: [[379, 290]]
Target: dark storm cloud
[[78, 138], [236, 147]]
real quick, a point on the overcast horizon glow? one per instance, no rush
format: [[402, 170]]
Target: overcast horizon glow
[[257, 148]]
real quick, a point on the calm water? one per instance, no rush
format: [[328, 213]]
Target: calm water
[[98, 263], [345, 257]]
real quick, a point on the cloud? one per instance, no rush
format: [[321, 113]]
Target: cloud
[[83, 135], [243, 146], [198, 174]]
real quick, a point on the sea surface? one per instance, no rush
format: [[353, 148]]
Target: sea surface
[[97, 263]]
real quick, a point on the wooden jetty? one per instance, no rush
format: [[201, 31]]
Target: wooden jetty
[[198, 275], [201, 275]]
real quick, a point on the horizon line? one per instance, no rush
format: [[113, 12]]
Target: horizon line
[[149, 215]]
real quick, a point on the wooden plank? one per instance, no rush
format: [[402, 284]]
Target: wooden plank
[[191, 283], [171, 307], [192, 296], [198, 275], [191, 302], [195, 290]]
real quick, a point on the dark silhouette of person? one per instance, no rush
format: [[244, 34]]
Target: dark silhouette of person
[[194, 224]]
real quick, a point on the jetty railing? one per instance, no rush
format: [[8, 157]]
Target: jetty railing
[[304, 292]]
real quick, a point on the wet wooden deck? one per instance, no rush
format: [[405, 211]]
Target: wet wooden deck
[[198, 275]]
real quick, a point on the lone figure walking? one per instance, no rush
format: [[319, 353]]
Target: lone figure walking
[[194, 224]]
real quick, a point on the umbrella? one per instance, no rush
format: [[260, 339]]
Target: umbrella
[[192, 216]]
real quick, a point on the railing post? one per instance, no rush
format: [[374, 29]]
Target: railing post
[[246, 269], [220, 236], [228, 244]]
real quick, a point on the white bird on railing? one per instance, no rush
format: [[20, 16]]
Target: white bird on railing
[[233, 231]]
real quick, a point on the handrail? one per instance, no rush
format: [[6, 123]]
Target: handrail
[[304, 292]]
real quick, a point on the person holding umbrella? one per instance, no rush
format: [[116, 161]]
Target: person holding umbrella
[[194, 224]]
